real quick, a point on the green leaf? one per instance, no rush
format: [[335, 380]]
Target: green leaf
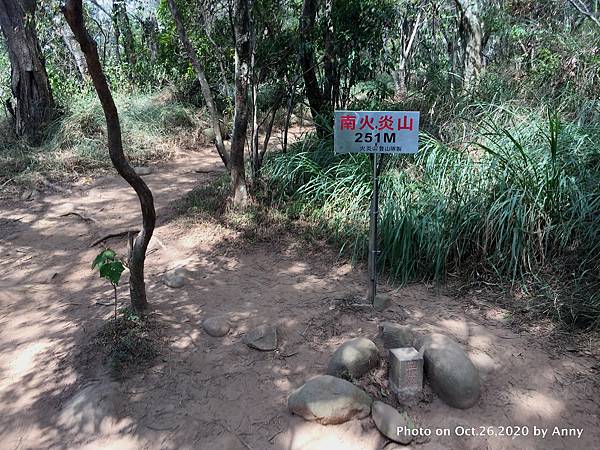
[[112, 271]]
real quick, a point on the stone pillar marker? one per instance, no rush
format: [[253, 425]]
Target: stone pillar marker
[[406, 373]]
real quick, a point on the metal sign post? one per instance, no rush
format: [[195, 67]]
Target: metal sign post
[[373, 250], [379, 133]]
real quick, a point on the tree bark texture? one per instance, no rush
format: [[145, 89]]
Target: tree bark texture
[[74, 15], [307, 64], [204, 86], [241, 28], [29, 81], [471, 37]]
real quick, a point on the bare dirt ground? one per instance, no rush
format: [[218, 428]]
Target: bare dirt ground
[[55, 394]]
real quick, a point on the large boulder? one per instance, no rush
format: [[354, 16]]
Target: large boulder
[[450, 372], [394, 335], [389, 422], [262, 338], [353, 359], [329, 400]]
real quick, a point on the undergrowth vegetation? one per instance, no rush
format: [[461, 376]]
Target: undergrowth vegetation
[[521, 200], [75, 142]]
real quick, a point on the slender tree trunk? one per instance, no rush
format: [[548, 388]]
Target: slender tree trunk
[[288, 116], [74, 49], [307, 64], [73, 12], [124, 27], [29, 80], [204, 86], [151, 35], [241, 27], [471, 36]]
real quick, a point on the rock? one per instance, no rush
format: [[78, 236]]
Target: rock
[[217, 326], [450, 372], [262, 338], [382, 302], [141, 171], [209, 134], [396, 336], [175, 278], [329, 400], [388, 420], [353, 359]]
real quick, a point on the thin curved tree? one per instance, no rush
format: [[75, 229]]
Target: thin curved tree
[[73, 12]]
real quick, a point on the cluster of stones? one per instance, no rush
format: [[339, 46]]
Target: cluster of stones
[[332, 399], [263, 337]]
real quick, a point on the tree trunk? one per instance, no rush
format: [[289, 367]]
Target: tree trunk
[[241, 29], [471, 36], [307, 64], [74, 49], [74, 14], [29, 80], [124, 27], [204, 86], [151, 35]]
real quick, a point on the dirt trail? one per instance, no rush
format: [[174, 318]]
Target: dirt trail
[[201, 388]]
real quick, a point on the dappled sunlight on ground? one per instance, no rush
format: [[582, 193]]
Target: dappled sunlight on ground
[[55, 392]]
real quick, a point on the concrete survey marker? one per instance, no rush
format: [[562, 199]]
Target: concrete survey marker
[[406, 373]]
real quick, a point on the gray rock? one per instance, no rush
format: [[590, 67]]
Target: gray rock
[[217, 326], [209, 134], [143, 170], [175, 278], [382, 302], [450, 372], [353, 359], [388, 420], [394, 335], [262, 338], [329, 400]]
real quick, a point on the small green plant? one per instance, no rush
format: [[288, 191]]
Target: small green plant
[[111, 268]]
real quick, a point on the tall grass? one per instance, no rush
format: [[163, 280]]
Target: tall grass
[[75, 142], [523, 198]]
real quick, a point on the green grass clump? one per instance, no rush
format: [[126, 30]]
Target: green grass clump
[[75, 142], [523, 198]]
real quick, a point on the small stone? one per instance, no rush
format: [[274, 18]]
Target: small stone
[[263, 338], [353, 359], [382, 302], [217, 326], [175, 278], [450, 372], [329, 400], [396, 336], [142, 170], [388, 420], [209, 134]]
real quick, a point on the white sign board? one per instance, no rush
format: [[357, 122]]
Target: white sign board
[[376, 132]]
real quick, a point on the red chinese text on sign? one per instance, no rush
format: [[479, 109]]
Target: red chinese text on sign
[[385, 123], [405, 124], [347, 122], [366, 122]]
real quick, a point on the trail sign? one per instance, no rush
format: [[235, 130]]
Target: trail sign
[[376, 132]]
